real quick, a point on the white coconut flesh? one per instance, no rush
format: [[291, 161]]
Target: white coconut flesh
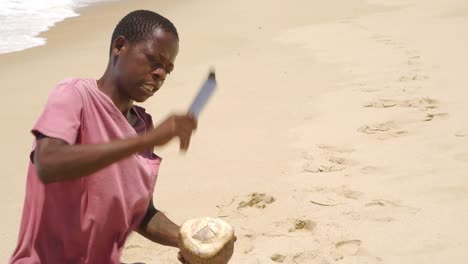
[[205, 237]]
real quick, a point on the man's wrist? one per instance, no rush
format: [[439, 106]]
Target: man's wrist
[[175, 240]]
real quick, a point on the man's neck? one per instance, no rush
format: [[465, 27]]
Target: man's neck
[[122, 102]]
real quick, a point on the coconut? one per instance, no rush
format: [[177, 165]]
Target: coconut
[[206, 241]]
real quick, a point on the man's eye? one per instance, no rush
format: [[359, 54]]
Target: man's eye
[[156, 65]]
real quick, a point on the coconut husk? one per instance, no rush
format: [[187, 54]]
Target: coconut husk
[[206, 241]]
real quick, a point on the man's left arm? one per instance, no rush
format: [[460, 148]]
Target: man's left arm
[[158, 228]]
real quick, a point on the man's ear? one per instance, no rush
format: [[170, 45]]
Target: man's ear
[[119, 45]]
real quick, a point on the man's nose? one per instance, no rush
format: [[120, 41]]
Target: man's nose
[[159, 74]]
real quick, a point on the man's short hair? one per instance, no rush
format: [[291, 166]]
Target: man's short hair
[[139, 25]]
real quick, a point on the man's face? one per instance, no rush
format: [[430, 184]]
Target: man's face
[[141, 68]]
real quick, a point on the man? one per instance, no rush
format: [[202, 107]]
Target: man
[[92, 169]]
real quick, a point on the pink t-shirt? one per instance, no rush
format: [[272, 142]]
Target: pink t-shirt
[[86, 220]]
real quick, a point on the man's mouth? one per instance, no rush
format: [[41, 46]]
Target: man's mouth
[[150, 88]]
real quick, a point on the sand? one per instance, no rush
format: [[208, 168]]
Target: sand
[[338, 133]]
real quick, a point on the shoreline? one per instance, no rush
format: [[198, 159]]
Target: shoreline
[[330, 106], [75, 12]]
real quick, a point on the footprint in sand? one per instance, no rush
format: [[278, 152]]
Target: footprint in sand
[[414, 60], [382, 39], [257, 200], [378, 210], [381, 203], [248, 249], [329, 159], [229, 210], [412, 77], [432, 116], [377, 37], [331, 196], [299, 258], [278, 258], [362, 86], [383, 130], [370, 90], [305, 257], [348, 247], [226, 210], [422, 104], [352, 248], [388, 41], [387, 203], [381, 103], [302, 225], [314, 168], [369, 169], [385, 219], [339, 149], [354, 195], [462, 132]]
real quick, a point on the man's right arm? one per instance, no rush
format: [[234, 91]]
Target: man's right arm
[[56, 160]]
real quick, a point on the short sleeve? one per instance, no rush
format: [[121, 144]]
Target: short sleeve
[[61, 117]]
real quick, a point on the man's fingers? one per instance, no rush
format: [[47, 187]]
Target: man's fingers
[[180, 258], [191, 121], [183, 145], [185, 129], [189, 125], [187, 142], [194, 122], [184, 142], [185, 125]]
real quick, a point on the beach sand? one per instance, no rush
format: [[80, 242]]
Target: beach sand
[[338, 133]]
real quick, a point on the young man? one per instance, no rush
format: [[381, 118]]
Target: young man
[[92, 169]]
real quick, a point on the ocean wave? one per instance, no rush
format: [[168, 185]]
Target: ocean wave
[[22, 21]]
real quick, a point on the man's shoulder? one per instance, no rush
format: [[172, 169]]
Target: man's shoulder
[[72, 88], [76, 82]]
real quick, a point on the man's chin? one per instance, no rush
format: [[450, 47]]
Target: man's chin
[[141, 98]]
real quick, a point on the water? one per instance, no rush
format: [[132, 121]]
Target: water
[[22, 20]]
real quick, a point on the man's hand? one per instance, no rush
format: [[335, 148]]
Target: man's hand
[[180, 126], [181, 258]]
